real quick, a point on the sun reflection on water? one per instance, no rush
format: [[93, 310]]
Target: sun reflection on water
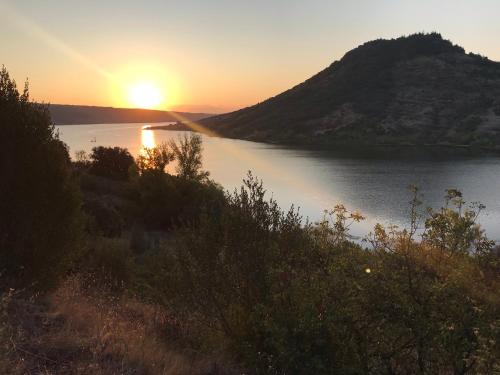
[[148, 138]]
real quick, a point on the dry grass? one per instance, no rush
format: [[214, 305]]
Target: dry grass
[[73, 331]]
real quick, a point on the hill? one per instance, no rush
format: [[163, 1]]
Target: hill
[[419, 89], [80, 114]]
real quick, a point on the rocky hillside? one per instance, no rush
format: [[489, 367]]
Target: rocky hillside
[[419, 90]]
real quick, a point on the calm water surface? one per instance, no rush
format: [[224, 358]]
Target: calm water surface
[[318, 180]]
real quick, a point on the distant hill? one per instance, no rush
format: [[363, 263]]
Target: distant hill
[[419, 89], [79, 114]]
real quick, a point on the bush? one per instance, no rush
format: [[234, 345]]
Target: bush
[[288, 297], [167, 201], [104, 219], [155, 158], [437, 292], [188, 154], [111, 162], [40, 202], [109, 262], [225, 266]]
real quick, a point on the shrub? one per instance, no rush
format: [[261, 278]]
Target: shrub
[[454, 229], [111, 162], [224, 266], [188, 154], [104, 219], [436, 290], [40, 202], [155, 158], [109, 262], [288, 297], [81, 161], [167, 201]]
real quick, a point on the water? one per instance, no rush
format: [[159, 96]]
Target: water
[[318, 180]]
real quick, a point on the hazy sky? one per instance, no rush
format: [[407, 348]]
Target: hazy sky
[[221, 53]]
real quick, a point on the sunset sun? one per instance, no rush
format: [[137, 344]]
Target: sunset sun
[[145, 94]]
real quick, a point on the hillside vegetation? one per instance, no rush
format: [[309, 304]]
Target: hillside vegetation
[[419, 89]]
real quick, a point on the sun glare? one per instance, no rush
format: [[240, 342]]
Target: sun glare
[[148, 138], [143, 84], [145, 95]]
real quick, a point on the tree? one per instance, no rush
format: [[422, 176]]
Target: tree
[[81, 161], [188, 154], [111, 162], [39, 201], [454, 228], [81, 157], [154, 158]]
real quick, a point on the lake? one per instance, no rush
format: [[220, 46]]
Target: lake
[[312, 180]]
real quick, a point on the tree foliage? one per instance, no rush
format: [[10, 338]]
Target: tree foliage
[[154, 158], [454, 228], [40, 203], [188, 153], [292, 297], [111, 162]]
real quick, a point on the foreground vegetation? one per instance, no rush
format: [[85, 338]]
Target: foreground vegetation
[[115, 266]]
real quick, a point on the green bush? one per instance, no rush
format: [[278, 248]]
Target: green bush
[[154, 158], [40, 203], [167, 201], [288, 297], [111, 162], [103, 218], [188, 153]]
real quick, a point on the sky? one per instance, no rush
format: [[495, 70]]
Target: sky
[[211, 55]]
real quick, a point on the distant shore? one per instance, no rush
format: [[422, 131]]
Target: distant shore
[[80, 114], [178, 126]]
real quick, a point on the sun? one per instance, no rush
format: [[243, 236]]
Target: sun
[[144, 84], [145, 94]]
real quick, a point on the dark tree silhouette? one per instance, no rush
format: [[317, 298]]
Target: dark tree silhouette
[[111, 162], [39, 202]]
